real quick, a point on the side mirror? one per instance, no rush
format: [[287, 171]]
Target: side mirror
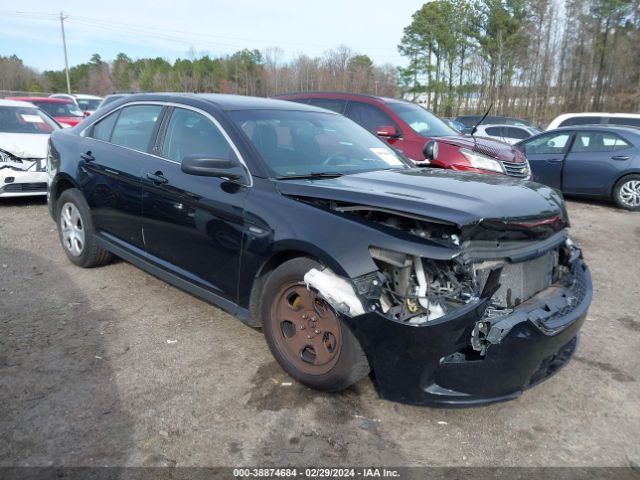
[[387, 131], [430, 150], [211, 167], [86, 114]]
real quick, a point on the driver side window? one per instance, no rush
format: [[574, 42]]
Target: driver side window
[[548, 144]]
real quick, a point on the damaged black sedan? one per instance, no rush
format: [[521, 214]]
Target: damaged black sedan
[[448, 288]]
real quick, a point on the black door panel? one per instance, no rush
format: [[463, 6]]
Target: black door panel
[[193, 224], [112, 188]]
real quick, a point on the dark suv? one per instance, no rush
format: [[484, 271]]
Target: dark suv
[[451, 288], [407, 127]]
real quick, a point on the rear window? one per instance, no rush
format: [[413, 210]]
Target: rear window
[[581, 121], [494, 131], [60, 109], [519, 133]]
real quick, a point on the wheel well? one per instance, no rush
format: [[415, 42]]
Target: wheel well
[[258, 284], [61, 185], [622, 177]]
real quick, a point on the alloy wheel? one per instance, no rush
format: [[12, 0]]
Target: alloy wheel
[[72, 229]]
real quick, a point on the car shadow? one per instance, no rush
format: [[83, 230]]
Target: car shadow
[[60, 404]]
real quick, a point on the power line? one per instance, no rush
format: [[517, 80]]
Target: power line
[[178, 35]]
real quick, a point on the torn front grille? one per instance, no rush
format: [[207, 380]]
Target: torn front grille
[[521, 281]]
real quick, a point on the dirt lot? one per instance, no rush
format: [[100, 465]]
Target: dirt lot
[[112, 366]]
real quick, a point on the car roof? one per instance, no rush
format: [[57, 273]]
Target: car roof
[[41, 99], [224, 101], [342, 96], [598, 114], [489, 125], [14, 103], [598, 127]]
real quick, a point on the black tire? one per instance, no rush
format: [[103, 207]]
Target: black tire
[[618, 192], [85, 253], [351, 363]]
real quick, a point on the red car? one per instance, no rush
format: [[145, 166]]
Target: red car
[[63, 111], [407, 127]]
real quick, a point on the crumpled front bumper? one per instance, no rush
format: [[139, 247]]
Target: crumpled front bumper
[[433, 364], [20, 183]]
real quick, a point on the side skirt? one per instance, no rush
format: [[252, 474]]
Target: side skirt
[[137, 259]]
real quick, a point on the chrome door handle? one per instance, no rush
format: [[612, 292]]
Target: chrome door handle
[[620, 157]]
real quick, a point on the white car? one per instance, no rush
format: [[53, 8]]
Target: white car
[[24, 133], [506, 133], [595, 118], [87, 103]]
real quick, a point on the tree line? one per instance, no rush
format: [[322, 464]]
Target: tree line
[[529, 58], [246, 72]]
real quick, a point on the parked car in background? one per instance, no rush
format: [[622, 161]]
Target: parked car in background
[[453, 123], [594, 118], [452, 288], [506, 133], [589, 161], [64, 111], [407, 127], [469, 121], [112, 98], [24, 133], [87, 103]]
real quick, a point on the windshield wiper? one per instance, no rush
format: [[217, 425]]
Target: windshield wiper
[[311, 175]]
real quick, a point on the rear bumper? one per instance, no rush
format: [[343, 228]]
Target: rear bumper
[[433, 364]]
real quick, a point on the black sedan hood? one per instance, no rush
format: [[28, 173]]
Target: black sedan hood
[[462, 199]]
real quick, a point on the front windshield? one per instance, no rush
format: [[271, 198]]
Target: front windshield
[[422, 121], [60, 109], [89, 105], [25, 120], [297, 143]]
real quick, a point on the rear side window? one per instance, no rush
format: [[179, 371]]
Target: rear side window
[[328, 103], [494, 131], [598, 142], [369, 116], [102, 130], [581, 121], [191, 133], [135, 125], [629, 121], [518, 133]]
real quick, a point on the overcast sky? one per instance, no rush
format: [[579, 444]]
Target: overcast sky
[[30, 28]]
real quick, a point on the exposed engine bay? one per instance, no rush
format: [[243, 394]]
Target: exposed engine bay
[[416, 290]]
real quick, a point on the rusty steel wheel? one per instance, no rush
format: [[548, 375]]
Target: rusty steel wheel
[[306, 329], [305, 335]]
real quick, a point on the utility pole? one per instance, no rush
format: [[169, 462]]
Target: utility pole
[[66, 61]]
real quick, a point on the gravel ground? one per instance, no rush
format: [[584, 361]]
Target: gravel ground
[[111, 366]]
